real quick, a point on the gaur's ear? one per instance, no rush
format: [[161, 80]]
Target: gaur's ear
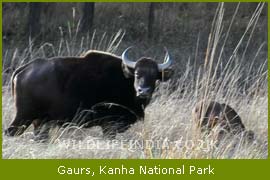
[[166, 74], [128, 72]]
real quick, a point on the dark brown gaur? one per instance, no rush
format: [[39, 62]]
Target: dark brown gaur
[[111, 91], [210, 115]]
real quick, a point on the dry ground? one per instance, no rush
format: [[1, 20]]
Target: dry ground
[[167, 130]]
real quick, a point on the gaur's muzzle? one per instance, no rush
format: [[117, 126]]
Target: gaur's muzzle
[[144, 92]]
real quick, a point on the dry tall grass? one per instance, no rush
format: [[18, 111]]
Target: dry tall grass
[[167, 130]]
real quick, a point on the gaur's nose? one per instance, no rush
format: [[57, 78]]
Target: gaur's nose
[[144, 91]]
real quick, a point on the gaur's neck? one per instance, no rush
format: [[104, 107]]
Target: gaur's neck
[[140, 105]]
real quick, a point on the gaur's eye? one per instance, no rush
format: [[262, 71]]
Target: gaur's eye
[[137, 75]]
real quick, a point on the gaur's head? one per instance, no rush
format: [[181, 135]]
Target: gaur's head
[[146, 72], [249, 136]]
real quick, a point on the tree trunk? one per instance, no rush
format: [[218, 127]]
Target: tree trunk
[[33, 24], [151, 19], [87, 17]]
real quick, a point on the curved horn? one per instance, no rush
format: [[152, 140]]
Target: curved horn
[[167, 62], [126, 61]]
